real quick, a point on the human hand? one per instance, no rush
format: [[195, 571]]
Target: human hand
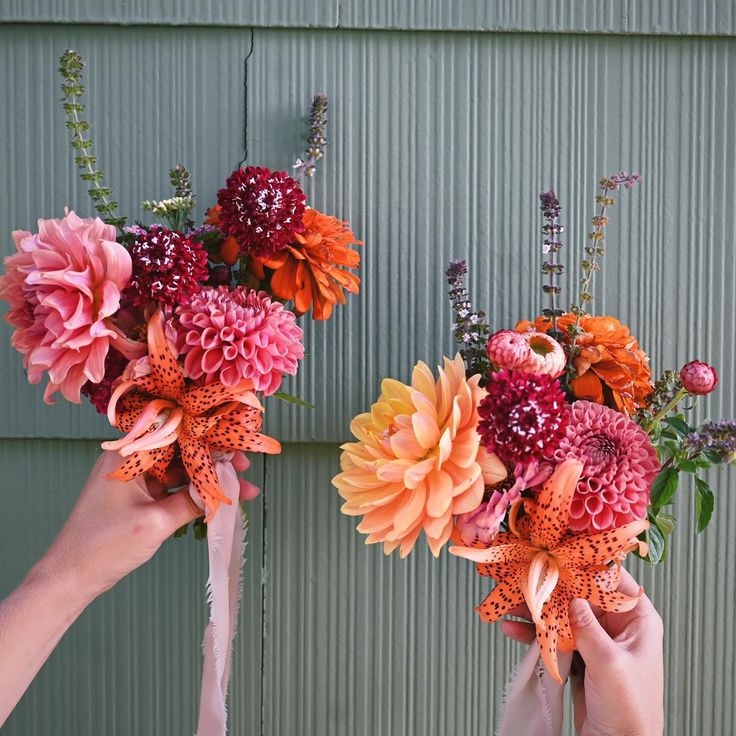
[[619, 688], [114, 528]]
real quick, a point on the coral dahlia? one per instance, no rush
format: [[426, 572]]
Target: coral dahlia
[[261, 209], [619, 467], [63, 284], [415, 462], [229, 335], [523, 416], [611, 368], [168, 267]]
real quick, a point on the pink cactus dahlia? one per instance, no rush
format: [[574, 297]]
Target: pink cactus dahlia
[[531, 352], [63, 284], [619, 467], [229, 335]]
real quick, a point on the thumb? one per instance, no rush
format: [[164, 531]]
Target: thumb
[[179, 509], [591, 639]]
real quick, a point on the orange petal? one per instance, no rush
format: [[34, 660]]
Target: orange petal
[[598, 549], [226, 435], [165, 370], [552, 516], [201, 470], [588, 386], [505, 596]]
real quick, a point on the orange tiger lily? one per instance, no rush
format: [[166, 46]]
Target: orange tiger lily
[[159, 410], [541, 562]]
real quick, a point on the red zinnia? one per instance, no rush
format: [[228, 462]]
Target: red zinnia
[[261, 209], [168, 267], [523, 417]]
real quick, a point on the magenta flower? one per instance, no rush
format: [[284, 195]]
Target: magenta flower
[[619, 467], [168, 267], [229, 335], [523, 417], [63, 285], [698, 378], [261, 209]]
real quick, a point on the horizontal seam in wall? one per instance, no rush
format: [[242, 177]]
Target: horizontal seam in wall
[[497, 30]]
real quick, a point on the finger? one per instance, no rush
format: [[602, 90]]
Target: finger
[[521, 611], [247, 490], [519, 631], [155, 488], [240, 461], [591, 639], [179, 509], [627, 585]]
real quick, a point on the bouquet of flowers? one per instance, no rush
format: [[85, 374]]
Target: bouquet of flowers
[[177, 330], [544, 452]]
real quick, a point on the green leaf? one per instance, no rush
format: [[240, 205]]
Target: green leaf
[[657, 544], [688, 466], [679, 424], [293, 399], [704, 503], [664, 487], [665, 522]]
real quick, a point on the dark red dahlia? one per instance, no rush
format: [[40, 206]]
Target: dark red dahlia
[[168, 267], [523, 417], [99, 393], [261, 209]]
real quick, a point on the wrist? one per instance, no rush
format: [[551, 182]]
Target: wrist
[[64, 584]]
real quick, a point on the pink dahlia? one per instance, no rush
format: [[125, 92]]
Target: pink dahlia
[[230, 335], [698, 378], [523, 416], [63, 284], [168, 267], [261, 209], [620, 464], [532, 352]]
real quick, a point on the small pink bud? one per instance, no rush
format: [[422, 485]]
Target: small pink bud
[[698, 378]]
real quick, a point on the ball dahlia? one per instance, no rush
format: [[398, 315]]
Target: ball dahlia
[[168, 267], [229, 335], [63, 284], [522, 417], [261, 209], [415, 462], [611, 368], [619, 467], [532, 352]]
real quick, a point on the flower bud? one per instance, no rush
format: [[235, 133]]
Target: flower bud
[[698, 378]]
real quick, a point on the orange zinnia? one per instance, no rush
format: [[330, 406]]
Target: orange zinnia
[[312, 270], [611, 368]]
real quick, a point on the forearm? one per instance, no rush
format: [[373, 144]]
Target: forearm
[[32, 621]]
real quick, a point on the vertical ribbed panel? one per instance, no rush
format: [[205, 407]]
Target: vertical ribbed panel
[[439, 146], [132, 662], [361, 644]]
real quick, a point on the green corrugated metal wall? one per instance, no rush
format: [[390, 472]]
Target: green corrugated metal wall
[[446, 120]]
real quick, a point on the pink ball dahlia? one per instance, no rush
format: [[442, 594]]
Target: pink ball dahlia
[[168, 267], [229, 335], [261, 209], [63, 284], [532, 352], [620, 464], [698, 378], [523, 416]]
